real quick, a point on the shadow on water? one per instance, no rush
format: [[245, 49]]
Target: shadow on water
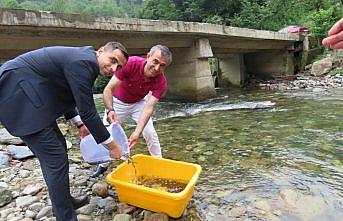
[[265, 156]]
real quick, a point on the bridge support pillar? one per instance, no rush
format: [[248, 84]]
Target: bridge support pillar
[[189, 75], [231, 70]]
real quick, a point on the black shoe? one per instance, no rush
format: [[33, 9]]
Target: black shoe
[[79, 201], [98, 170]]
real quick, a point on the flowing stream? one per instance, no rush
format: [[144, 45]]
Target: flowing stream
[[264, 155]]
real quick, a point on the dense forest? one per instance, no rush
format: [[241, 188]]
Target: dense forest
[[317, 15]]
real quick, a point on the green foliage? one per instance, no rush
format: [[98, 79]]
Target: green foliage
[[100, 84], [9, 4], [116, 8], [336, 71], [318, 15], [159, 9], [322, 20]]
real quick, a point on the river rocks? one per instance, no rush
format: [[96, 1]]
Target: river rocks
[[125, 208], [156, 217], [64, 128], [3, 160], [5, 212], [19, 152], [100, 189], [5, 196], [322, 67], [23, 192], [30, 214], [190, 147], [315, 84], [25, 201], [305, 206], [44, 212], [32, 189], [82, 217], [7, 138], [122, 217], [69, 144], [36, 207], [86, 210]]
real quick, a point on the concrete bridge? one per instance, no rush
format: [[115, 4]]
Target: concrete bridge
[[240, 51]]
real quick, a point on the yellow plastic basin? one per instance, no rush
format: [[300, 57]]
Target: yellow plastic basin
[[173, 204]]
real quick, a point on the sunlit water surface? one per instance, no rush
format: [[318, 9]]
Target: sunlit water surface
[[282, 149]]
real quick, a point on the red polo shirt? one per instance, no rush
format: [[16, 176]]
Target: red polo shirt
[[134, 86]]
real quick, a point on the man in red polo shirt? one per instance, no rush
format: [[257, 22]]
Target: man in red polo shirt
[[125, 96]]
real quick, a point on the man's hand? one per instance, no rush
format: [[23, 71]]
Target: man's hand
[[115, 150], [335, 39], [133, 139], [112, 117], [83, 131]]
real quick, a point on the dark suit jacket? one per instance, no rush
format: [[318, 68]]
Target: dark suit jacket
[[39, 86]]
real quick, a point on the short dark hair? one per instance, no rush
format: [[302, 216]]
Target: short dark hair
[[112, 45]]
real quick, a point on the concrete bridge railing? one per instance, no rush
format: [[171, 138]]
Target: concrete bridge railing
[[239, 50]]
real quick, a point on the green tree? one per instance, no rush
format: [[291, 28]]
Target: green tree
[[9, 4], [159, 9], [321, 21], [100, 84]]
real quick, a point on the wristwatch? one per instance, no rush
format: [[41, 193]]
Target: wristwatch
[[109, 110], [80, 125]]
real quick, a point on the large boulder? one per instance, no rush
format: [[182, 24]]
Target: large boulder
[[322, 67]]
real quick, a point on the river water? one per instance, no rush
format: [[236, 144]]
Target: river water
[[264, 155]]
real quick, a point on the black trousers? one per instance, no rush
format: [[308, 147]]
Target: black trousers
[[50, 148]]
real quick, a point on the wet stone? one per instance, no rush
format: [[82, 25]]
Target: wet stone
[[190, 147], [238, 211]]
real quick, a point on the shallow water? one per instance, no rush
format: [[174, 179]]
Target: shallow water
[[281, 161]]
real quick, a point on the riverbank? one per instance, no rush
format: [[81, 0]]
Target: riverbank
[[281, 162], [323, 74]]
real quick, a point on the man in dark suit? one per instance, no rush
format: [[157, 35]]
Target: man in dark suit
[[38, 87]]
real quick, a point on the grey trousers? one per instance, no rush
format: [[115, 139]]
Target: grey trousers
[[50, 148]]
